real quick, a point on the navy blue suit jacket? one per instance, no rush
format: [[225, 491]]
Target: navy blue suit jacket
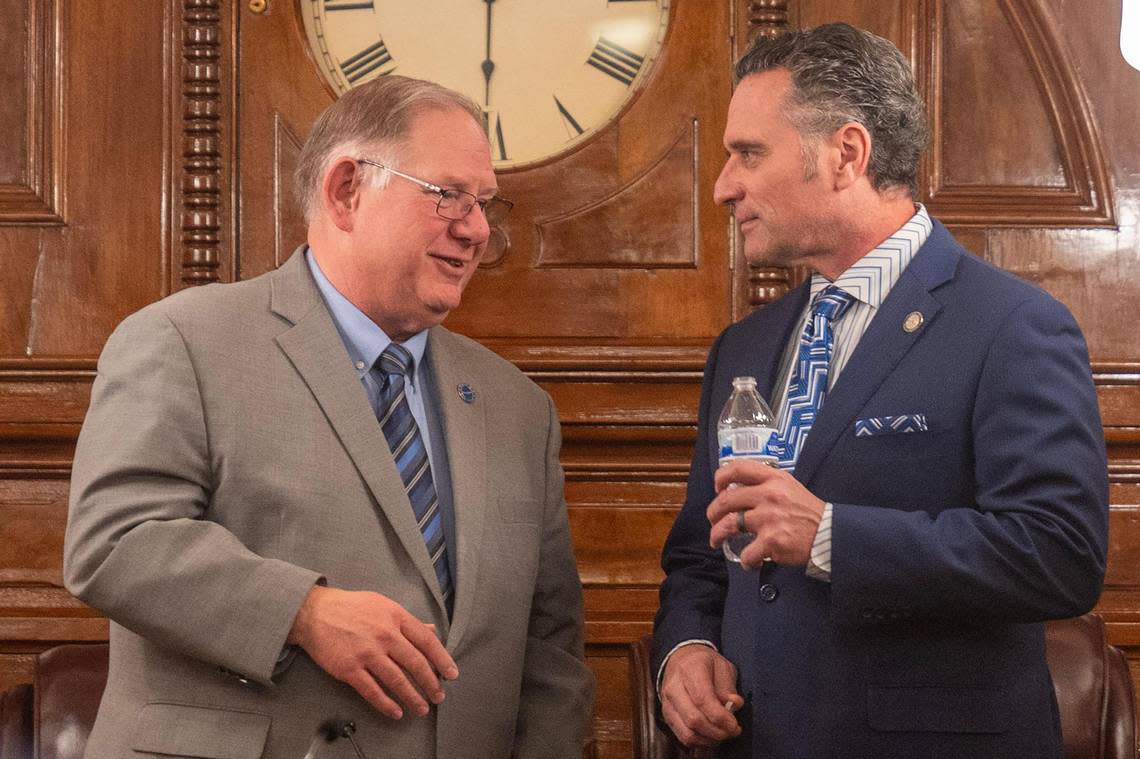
[[950, 547]]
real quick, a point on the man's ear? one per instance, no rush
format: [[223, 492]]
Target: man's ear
[[340, 192], [852, 146]]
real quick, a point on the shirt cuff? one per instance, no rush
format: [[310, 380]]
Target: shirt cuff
[[819, 566], [682, 644]]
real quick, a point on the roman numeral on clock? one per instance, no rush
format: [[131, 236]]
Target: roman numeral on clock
[[615, 61], [493, 125], [349, 5], [371, 58], [569, 120]]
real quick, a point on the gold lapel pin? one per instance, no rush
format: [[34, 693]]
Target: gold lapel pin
[[912, 321]]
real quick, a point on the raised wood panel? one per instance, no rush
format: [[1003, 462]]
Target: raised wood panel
[[33, 516], [69, 279], [612, 708], [290, 229], [649, 223], [31, 151], [619, 546], [977, 39], [990, 171]]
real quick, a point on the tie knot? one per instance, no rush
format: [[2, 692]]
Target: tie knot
[[396, 359], [832, 303]]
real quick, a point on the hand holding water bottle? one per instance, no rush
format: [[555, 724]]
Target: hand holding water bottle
[[761, 512], [745, 428]]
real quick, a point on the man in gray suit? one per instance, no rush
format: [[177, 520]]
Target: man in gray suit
[[302, 503]]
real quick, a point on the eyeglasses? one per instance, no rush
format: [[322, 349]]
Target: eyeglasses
[[454, 205]]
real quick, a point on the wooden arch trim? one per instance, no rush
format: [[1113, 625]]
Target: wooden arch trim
[[1085, 200]]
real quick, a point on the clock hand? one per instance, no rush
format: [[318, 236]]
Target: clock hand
[[488, 64]]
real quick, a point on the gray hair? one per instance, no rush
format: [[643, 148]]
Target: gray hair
[[839, 75], [376, 116]]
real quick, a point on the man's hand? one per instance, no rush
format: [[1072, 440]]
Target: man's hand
[[696, 688], [782, 514], [368, 640]]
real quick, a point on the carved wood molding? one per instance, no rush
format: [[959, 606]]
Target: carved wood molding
[[197, 144], [39, 198], [577, 358], [767, 18], [1086, 200]]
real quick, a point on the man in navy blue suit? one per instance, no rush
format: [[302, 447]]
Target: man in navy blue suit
[[944, 488]]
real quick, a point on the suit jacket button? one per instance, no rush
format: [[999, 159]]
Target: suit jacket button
[[768, 592]]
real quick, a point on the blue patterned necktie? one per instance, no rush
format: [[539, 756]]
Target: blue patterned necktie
[[392, 368], [808, 384]]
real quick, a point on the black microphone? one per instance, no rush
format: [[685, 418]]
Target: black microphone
[[331, 730]]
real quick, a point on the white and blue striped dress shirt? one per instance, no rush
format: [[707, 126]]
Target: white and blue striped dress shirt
[[868, 280]]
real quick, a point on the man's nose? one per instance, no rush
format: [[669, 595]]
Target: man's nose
[[726, 190], [472, 228]]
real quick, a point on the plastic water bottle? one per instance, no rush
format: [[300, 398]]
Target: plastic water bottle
[[745, 428]]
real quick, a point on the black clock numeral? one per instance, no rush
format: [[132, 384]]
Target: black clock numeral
[[349, 5], [615, 61], [493, 125], [570, 120], [499, 140], [366, 61]]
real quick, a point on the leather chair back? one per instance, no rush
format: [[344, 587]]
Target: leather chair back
[[52, 718]]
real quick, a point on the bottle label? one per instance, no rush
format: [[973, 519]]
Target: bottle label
[[746, 442]]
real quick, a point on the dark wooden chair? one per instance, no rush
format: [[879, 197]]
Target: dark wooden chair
[[52, 717], [1091, 678]]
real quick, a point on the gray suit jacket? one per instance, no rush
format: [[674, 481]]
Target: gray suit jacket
[[230, 460]]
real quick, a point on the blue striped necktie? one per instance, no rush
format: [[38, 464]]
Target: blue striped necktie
[[392, 368], [808, 384]]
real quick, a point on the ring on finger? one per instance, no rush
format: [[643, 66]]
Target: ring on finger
[[741, 525]]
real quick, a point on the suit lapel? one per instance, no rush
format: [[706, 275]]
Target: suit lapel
[[881, 348], [315, 349], [465, 435]]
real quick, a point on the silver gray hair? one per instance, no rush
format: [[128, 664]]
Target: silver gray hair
[[374, 117], [841, 74]]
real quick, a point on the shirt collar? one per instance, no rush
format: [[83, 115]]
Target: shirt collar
[[362, 337], [871, 277]]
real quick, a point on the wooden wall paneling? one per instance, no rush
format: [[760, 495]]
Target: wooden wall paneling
[[82, 190], [613, 733], [290, 228], [31, 185], [281, 95], [649, 223], [1035, 159], [105, 260]]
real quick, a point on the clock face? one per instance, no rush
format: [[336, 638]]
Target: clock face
[[548, 73]]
